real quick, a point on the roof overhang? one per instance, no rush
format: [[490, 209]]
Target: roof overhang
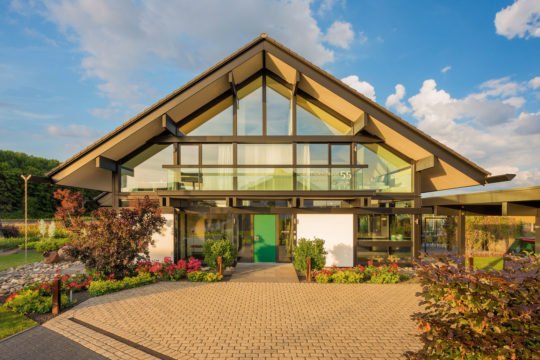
[[448, 169]]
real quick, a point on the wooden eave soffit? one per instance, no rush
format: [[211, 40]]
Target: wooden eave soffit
[[426, 163]]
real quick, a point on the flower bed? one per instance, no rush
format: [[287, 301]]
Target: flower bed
[[380, 274]]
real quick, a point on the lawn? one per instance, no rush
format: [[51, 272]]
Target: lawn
[[7, 261], [488, 262], [11, 323]]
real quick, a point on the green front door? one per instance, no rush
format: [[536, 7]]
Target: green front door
[[265, 238]]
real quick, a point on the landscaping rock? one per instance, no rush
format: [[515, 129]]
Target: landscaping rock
[[65, 253], [51, 258], [15, 279]]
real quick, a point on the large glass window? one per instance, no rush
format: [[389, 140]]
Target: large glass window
[[217, 154], [278, 109], [265, 154], [312, 120], [385, 172], [267, 179], [250, 109], [217, 179], [312, 154], [144, 171], [216, 121], [315, 179], [202, 227], [189, 154], [341, 154]]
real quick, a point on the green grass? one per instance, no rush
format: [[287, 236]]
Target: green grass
[[7, 261], [11, 322], [488, 262]]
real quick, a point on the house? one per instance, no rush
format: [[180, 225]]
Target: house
[[265, 148]]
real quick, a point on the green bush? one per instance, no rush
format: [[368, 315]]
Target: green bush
[[309, 248], [201, 276], [479, 314], [102, 287], [11, 243], [214, 248], [32, 301], [347, 277], [46, 245], [323, 278], [29, 245]]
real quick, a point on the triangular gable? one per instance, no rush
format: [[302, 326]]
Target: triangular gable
[[450, 170]]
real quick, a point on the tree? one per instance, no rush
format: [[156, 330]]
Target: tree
[[114, 239], [71, 207]]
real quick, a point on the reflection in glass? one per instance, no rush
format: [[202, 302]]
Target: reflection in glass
[[341, 179], [217, 121], [217, 179], [386, 171], [202, 227], [265, 179], [245, 238], [185, 179], [285, 239], [385, 227], [217, 154], [249, 114], [341, 154], [312, 120], [189, 154], [144, 171], [312, 154], [439, 235], [265, 154], [278, 108], [315, 179]]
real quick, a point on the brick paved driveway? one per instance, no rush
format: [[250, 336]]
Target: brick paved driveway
[[249, 320]]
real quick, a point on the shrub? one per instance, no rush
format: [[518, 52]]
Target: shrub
[[29, 245], [31, 301], [200, 276], [102, 287], [47, 245], [11, 243], [166, 270], [212, 249], [117, 237], [9, 231], [480, 314], [383, 274], [347, 277], [309, 248], [42, 228], [194, 264], [323, 277], [51, 232]]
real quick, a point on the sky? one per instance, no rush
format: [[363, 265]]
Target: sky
[[465, 72]]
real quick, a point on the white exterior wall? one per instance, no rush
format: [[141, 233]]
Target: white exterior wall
[[337, 232], [164, 241]]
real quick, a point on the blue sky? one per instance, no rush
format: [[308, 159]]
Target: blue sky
[[467, 72]]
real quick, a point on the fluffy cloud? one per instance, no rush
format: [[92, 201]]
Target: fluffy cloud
[[521, 19], [74, 130], [484, 126], [363, 87], [124, 41], [340, 34], [534, 83], [394, 101]]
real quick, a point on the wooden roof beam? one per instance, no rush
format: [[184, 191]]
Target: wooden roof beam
[[105, 163], [168, 124], [361, 123], [296, 83], [426, 163]]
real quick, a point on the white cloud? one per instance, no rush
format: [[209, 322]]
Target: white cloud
[[327, 6], [340, 34], [521, 19], [534, 83], [446, 69], [484, 126], [394, 101], [124, 41], [73, 130], [362, 87]]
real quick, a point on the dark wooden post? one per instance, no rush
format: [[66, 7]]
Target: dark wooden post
[[471, 263], [56, 297], [220, 265], [308, 269]]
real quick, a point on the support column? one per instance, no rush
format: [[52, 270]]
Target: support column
[[416, 218], [537, 232], [461, 232]]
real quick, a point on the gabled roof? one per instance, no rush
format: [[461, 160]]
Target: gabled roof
[[449, 169]]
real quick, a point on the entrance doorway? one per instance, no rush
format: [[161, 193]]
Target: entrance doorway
[[265, 238]]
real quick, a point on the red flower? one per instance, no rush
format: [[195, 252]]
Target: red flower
[[370, 262], [11, 297]]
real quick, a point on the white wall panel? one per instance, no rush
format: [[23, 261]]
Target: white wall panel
[[164, 241], [337, 232]]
